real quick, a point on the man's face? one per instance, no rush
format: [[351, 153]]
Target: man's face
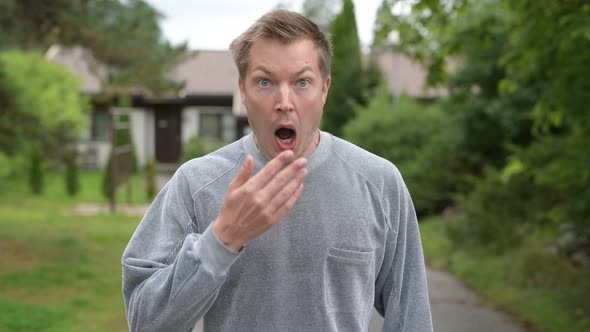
[[284, 94]]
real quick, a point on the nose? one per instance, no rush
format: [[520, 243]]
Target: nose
[[283, 99]]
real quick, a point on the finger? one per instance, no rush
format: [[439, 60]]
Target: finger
[[286, 207], [287, 191], [243, 174], [272, 168], [284, 177]]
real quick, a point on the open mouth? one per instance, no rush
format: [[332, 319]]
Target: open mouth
[[285, 138]]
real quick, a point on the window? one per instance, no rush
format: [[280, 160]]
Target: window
[[101, 125], [210, 126]]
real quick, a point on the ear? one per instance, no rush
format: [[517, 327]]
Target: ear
[[325, 88]]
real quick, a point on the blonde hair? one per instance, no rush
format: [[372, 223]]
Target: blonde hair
[[286, 27]]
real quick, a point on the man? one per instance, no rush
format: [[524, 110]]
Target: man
[[287, 229]]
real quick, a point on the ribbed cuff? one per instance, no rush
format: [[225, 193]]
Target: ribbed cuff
[[215, 256]]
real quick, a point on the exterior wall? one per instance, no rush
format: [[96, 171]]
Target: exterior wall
[[138, 135], [190, 123], [93, 154], [150, 135], [406, 76]]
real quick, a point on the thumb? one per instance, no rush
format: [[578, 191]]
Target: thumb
[[243, 174]]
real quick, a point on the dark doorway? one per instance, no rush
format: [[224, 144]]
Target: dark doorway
[[168, 136]]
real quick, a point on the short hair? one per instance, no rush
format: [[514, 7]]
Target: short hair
[[284, 26]]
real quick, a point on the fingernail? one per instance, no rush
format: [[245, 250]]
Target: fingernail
[[303, 172], [301, 162]]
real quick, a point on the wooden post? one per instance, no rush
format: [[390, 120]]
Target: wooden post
[[121, 153]]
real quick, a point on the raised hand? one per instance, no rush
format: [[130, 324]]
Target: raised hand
[[253, 205]]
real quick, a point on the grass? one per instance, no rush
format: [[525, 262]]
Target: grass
[[61, 271], [544, 290]]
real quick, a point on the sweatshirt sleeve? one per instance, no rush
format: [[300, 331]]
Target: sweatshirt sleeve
[[401, 292], [171, 274]]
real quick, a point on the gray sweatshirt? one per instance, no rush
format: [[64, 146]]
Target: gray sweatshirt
[[351, 242]]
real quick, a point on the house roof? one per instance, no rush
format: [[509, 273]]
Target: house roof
[[207, 73], [406, 76], [82, 63]]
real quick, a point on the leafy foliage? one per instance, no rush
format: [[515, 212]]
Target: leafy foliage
[[72, 174], [347, 88], [516, 75], [105, 184], [198, 146], [43, 103], [125, 35], [548, 43], [151, 177], [415, 138], [36, 171]]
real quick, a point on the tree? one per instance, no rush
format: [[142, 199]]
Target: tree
[[519, 95], [72, 176], [475, 34], [347, 87], [413, 137], [548, 50], [322, 12], [125, 35], [42, 104]]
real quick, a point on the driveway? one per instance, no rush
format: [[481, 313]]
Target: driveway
[[455, 308]]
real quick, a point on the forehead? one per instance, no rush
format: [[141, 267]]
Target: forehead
[[278, 57]]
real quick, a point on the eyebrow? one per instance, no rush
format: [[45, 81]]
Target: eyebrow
[[267, 72]]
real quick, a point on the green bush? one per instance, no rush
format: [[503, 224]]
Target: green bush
[[420, 140], [134, 159], [5, 169], [198, 146], [36, 172], [501, 208], [43, 104], [106, 180], [151, 179], [72, 173], [562, 162]]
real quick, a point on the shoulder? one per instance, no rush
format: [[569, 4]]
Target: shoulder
[[379, 172], [202, 171]]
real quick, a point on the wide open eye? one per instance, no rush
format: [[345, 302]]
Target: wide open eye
[[303, 83], [263, 83]]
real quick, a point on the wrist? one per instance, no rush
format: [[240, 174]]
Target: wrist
[[225, 238]]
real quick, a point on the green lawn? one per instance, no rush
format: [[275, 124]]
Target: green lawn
[[61, 271], [541, 288]]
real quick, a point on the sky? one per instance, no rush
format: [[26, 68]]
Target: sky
[[212, 25]]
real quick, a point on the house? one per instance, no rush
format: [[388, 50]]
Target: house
[[209, 105], [406, 76]]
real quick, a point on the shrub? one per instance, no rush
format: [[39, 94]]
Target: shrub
[[198, 146], [72, 174], [501, 208], [151, 179], [106, 180], [420, 140], [36, 171]]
